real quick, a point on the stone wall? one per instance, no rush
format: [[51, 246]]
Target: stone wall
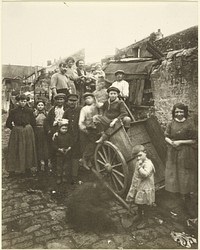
[[176, 80]]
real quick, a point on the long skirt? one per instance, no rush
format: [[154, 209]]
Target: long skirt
[[181, 169], [21, 150], [41, 144]]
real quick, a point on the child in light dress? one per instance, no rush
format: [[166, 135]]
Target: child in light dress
[[142, 190]]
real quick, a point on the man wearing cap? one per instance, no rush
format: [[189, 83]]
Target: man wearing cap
[[51, 123], [113, 110], [88, 129], [72, 113], [121, 84], [60, 81]]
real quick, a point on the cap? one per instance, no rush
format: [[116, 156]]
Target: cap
[[119, 72], [113, 89], [72, 97], [63, 122], [22, 97], [136, 149], [88, 94], [60, 95], [40, 100]]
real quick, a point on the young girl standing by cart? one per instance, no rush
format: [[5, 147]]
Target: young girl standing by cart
[[142, 190]]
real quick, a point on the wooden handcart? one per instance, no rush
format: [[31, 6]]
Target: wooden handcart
[[113, 158]]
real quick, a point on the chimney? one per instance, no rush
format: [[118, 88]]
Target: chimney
[[159, 34]]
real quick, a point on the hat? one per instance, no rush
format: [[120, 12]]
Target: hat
[[17, 97], [119, 72], [136, 149], [60, 95], [72, 97], [63, 122], [22, 97], [40, 100], [88, 94], [113, 89]]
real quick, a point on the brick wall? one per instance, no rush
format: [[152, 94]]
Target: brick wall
[[176, 80]]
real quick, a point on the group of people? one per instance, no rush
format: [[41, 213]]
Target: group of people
[[65, 136], [70, 80], [181, 172], [80, 119]]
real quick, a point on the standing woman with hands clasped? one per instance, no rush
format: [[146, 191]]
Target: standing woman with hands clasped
[[181, 165], [21, 147]]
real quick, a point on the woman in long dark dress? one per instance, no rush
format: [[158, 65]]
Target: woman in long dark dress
[[21, 147], [181, 165]]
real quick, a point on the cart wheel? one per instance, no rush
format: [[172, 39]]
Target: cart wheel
[[111, 164]]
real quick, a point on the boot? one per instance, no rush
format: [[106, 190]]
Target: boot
[[102, 138], [142, 223], [138, 215], [85, 164]]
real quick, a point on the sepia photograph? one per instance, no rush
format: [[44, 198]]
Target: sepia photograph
[[99, 122]]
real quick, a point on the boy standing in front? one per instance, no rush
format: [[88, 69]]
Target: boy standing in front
[[62, 144], [88, 129]]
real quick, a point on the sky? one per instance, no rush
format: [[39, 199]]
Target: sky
[[33, 33]]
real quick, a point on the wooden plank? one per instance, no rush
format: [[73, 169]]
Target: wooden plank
[[139, 91], [158, 163], [132, 89], [137, 128], [156, 135], [123, 142], [138, 134]]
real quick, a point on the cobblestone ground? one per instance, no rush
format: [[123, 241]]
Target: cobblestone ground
[[34, 216]]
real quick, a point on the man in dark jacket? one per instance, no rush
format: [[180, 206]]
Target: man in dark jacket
[[51, 123], [72, 113]]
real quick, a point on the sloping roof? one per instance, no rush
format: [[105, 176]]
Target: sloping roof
[[136, 44], [130, 68], [16, 71], [181, 40]]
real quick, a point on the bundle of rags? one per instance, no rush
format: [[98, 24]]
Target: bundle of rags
[[88, 208]]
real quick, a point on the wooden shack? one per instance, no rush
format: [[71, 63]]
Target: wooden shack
[[137, 75]]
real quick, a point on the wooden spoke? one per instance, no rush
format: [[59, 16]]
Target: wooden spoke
[[103, 169], [117, 172], [101, 162], [102, 156], [115, 183], [119, 181], [105, 154], [117, 165], [109, 153], [114, 156]]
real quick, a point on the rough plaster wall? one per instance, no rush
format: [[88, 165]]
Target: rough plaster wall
[[176, 80]]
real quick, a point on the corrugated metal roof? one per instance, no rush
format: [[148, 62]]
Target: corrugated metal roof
[[130, 68]]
